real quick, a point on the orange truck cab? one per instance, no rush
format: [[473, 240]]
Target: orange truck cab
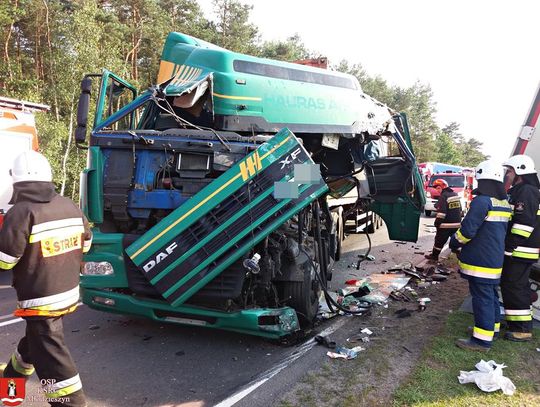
[[17, 134]]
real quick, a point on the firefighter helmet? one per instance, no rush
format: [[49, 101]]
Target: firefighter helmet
[[31, 166], [521, 163], [440, 183], [490, 169]]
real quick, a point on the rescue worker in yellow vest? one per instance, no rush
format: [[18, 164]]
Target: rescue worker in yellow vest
[[42, 241], [479, 243], [522, 246], [448, 217]]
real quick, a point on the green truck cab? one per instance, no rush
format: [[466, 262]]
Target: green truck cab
[[182, 187]]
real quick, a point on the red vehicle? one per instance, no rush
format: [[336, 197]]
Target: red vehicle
[[461, 182]]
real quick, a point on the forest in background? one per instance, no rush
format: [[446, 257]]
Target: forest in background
[[48, 45]]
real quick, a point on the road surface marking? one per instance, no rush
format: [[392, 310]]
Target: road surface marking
[[264, 377], [11, 321]]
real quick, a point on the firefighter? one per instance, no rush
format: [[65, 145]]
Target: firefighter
[[42, 241], [479, 243], [522, 246], [448, 217]]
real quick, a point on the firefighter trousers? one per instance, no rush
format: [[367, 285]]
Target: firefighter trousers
[[516, 295], [487, 311], [441, 237], [43, 349]]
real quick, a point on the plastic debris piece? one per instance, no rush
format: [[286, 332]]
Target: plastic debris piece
[[538, 349], [365, 339], [488, 377], [367, 331], [369, 257], [344, 353]]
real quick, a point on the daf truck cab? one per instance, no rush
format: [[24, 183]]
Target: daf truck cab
[[209, 191]]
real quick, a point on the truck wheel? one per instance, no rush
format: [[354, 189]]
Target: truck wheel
[[304, 297], [428, 213]]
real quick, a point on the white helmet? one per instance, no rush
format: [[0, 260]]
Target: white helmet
[[521, 163], [490, 169], [31, 166]]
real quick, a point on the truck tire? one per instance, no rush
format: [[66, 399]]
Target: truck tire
[[304, 297], [428, 213]]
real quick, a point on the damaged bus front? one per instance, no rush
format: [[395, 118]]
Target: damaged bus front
[[209, 193]]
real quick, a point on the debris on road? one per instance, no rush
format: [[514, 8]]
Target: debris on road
[[488, 377], [323, 340], [367, 331], [345, 353]]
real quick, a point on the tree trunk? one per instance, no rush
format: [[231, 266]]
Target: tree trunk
[[68, 147], [51, 63]]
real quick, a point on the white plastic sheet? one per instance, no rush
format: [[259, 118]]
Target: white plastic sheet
[[488, 377]]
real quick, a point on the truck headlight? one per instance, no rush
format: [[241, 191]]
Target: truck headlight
[[94, 268]]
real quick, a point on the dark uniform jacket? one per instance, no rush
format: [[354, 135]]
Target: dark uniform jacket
[[523, 235], [42, 241], [448, 210], [481, 239]]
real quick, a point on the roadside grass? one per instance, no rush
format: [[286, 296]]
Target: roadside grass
[[434, 381]]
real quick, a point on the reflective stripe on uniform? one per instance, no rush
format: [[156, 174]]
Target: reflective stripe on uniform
[[57, 233], [518, 314], [7, 262], [30, 312], [497, 327], [87, 244], [453, 198], [502, 203], [460, 238], [526, 252], [20, 365], [56, 228], [55, 224], [52, 302], [483, 334], [477, 271], [498, 216], [65, 387], [518, 317], [441, 215], [521, 230], [449, 225]]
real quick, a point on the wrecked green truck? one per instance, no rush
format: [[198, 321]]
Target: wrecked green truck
[[181, 182]]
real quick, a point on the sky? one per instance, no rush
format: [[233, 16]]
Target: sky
[[481, 58]]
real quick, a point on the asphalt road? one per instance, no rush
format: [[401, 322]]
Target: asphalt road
[[129, 362]]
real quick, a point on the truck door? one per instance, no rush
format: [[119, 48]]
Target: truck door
[[114, 94], [396, 186]]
